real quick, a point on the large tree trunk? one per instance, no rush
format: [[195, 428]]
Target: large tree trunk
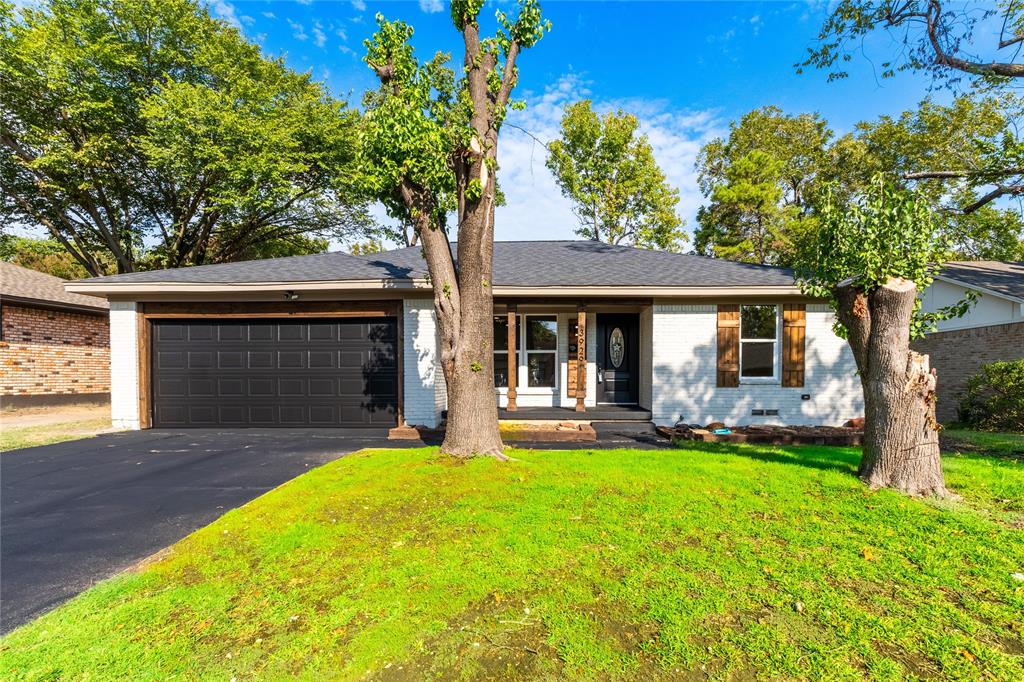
[[901, 440], [472, 427]]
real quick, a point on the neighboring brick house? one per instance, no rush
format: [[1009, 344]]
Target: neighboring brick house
[[991, 331], [54, 345]]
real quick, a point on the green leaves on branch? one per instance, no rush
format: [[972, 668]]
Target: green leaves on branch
[[889, 233], [148, 134], [608, 171]]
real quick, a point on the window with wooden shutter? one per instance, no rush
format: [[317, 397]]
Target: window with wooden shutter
[[794, 331], [728, 345]]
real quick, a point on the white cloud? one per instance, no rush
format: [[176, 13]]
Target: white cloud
[[535, 207], [358, 5], [269, 15], [431, 6], [319, 37], [305, 2], [298, 30], [226, 11]]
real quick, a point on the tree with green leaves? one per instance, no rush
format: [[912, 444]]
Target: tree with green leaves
[[799, 154], [939, 38], [619, 193], [42, 255], [145, 134], [871, 259], [761, 181], [430, 147], [972, 132]]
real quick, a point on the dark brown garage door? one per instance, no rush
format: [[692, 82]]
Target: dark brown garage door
[[275, 372]]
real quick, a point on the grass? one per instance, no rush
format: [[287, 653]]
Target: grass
[[1001, 444], [15, 437], [709, 561]]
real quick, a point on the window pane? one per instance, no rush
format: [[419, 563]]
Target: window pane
[[501, 370], [500, 332], [541, 369], [758, 359], [541, 333], [757, 322]]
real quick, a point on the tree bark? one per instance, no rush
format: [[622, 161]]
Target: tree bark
[[901, 440]]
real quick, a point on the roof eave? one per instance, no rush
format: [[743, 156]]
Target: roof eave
[[103, 289], [968, 285], [122, 288]]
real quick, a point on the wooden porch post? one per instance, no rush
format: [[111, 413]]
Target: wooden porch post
[[581, 357], [513, 358]]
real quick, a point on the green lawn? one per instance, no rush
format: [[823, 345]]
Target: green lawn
[[706, 561], [16, 437]]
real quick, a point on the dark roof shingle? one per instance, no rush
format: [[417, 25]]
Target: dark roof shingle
[[1002, 277], [22, 283], [519, 264]]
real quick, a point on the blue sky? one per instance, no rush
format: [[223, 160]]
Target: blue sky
[[685, 68]]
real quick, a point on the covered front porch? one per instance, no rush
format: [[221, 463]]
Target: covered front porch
[[572, 359]]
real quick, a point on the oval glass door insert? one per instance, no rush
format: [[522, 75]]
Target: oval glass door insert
[[616, 348]]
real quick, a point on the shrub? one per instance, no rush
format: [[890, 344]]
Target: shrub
[[994, 399]]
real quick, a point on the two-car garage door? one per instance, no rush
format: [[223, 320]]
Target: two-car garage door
[[274, 372]]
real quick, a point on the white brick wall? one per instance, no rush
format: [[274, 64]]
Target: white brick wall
[[124, 366], [684, 370], [424, 388]]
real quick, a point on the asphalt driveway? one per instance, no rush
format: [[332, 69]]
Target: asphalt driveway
[[74, 513]]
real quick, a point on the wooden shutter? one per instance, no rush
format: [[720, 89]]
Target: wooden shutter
[[729, 345], [794, 330]]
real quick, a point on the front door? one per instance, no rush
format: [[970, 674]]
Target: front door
[[618, 358]]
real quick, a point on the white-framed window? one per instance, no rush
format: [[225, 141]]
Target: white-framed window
[[540, 344], [759, 343], [537, 351]]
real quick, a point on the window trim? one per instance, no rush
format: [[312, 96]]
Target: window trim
[[776, 377], [522, 360]]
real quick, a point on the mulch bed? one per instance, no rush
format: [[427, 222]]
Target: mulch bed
[[770, 435]]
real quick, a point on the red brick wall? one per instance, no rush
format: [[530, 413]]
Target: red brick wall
[[52, 353], [959, 354]]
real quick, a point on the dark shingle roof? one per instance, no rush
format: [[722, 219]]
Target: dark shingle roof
[[18, 283], [524, 263], [1002, 277]]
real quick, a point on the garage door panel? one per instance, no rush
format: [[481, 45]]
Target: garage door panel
[[323, 387], [291, 359], [323, 332], [200, 359], [291, 332], [201, 387], [322, 359], [232, 414], [232, 332], [261, 359], [275, 373], [259, 332], [201, 332], [262, 387], [170, 360], [230, 359], [290, 387]]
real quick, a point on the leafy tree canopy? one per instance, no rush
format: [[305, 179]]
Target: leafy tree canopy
[[147, 134], [941, 39], [608, 171], [799, 156], [884, 234], [761, 182], [43, 255]]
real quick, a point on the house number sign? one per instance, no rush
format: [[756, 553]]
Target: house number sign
[[616, 348]]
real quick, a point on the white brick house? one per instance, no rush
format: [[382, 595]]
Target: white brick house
[[345, 341]]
